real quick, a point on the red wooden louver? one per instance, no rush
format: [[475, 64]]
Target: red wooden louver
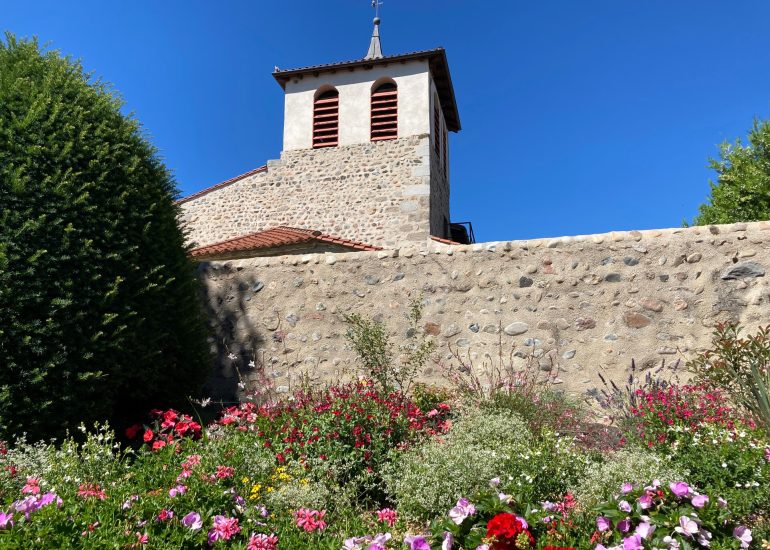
[[326, 114], [384, 112]]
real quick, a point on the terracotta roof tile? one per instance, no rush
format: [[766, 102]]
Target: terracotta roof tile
[[272, 238], [222, 184], [445, 241]]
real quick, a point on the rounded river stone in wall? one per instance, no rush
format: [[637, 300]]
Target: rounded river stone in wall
[[516, 328]]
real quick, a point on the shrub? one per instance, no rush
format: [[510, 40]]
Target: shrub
[[427, 479], [660, 414], [740, 367], [633, 465], [345, 432], [372, 343], [99, 312]]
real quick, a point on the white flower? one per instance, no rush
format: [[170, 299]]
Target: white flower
[[232, 357]]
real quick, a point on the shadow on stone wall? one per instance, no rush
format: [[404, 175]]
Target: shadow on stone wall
[[233, 336]]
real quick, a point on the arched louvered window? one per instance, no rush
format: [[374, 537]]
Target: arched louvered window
[[326, 116], [385, 112]]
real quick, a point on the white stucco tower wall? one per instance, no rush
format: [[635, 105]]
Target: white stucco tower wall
[[355, 87]]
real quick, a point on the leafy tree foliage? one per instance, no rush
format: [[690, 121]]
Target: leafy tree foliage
[[99, 312], [742, 191]]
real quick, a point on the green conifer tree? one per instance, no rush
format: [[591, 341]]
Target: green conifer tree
[[100, 316]]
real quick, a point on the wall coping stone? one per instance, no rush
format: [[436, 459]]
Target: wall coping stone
[[630, 237]]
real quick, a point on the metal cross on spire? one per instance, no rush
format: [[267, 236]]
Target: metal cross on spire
[[375, 48]]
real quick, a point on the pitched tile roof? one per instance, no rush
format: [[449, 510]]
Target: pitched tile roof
[[438, 65], [222, 184], [272, 238]]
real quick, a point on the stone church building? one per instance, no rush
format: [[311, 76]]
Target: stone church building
[[364, 165]]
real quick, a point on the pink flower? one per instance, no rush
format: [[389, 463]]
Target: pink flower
[[224, 528], [626, 488], [624, 506], [645, 501], [6, 520], [767, 454], [680, 489], [224, 472], [310, 520], [262, 542], [463, 509], [387, 516], [416, 542], [91, 490], [699, 501], [634, 542], [645, 529], [178, 490], [32, 487], [141, 539], [448, 541]]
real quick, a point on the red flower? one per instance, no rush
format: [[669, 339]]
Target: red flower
[[148, 435], [509, 533]]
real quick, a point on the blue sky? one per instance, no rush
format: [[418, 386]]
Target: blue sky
[[578, 117]]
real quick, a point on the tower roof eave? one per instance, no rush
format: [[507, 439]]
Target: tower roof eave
[[437, 61]]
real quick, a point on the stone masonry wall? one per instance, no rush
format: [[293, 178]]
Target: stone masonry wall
[[377, 193], [583, 305]]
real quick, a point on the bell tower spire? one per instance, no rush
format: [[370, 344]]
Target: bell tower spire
[[375, 48]]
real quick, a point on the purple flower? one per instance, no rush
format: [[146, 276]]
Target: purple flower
[[686, 526], [6, 520], [603, 524], [27, 506], [494, 482], [463, 509], [417, 542], [483, 547], [449, 540], [743, 534], [626, 488], [624, 525], [645, 501], [645, 529], [523, 521], [722, 503], [50, 498], [129, 502], [192, 521], [767, 454], [680, 489], [624, 506], [634, 542], [549, 506], [699, 501]]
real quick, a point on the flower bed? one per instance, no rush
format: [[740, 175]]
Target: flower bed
[[350, 468]]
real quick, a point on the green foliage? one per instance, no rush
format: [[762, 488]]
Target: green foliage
[[372, 343], [731, 463], [99, 313], [740, 367], [426, 480], [633, 465], [742, 191]]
